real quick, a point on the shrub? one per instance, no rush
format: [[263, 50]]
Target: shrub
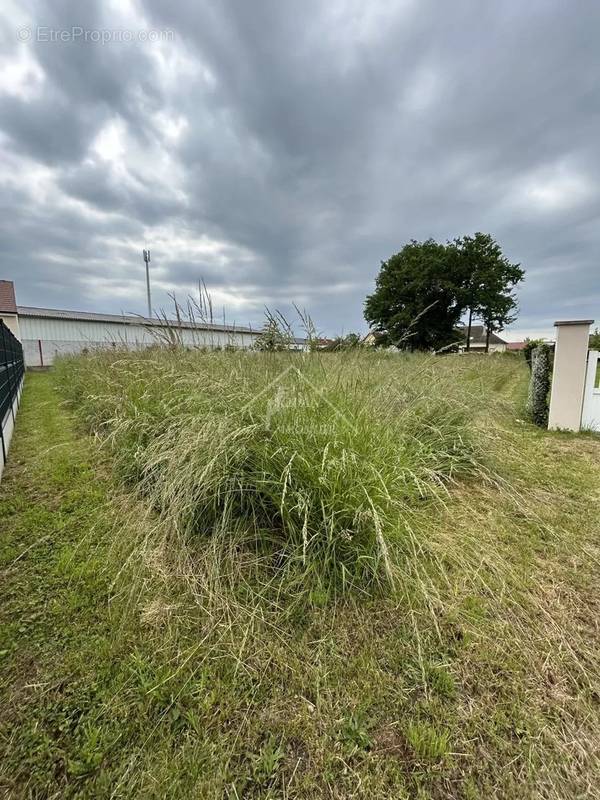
[[351, 341], [530, 346], [272, 338], [594, 343], [539, 385]]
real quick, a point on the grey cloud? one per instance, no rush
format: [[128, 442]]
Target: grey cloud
[[94, 184], [319, 138]]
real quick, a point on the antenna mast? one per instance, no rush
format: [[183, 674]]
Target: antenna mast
[[146, 254]]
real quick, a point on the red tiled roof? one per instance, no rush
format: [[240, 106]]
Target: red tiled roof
[[8, 301]]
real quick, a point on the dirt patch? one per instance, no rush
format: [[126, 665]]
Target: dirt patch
[[389, 742]]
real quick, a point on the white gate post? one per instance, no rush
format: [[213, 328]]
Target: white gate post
[[568, 376], [590, 416]]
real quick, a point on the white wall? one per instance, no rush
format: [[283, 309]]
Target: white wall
[[480, 348], [59, 336]]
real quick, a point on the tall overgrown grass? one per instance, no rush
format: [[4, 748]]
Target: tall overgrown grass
[[312, 461], [462, 660]]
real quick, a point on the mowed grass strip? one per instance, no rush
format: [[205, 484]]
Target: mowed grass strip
[[138, 661], [56, 633]]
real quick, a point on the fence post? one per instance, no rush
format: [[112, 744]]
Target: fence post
[[10, 363], [568, 377], [3, 390], [2, 442]]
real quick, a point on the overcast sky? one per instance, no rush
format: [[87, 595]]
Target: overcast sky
[[280, 149]]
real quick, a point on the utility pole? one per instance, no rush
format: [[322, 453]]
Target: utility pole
[[147, 260]]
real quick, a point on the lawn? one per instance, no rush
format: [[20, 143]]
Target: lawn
[[239, 576]]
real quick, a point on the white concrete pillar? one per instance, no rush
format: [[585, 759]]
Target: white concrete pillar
[[568, 377]]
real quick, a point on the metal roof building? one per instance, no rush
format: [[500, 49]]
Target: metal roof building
[[47, 332]]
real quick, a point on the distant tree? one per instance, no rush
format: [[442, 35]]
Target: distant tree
[[487, 280], [500, 311], [595, 340], [530, 346], [417, 302], [272, 338], [422, 291], [351, 341]]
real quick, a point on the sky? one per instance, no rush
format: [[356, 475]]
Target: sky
[[279, 151]]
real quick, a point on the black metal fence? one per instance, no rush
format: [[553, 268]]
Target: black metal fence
[[12, 369]]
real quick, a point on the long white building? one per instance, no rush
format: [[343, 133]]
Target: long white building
[[48, 332]]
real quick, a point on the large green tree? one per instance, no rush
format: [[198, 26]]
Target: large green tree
[[487, 279], [422, 292], [416, 304]]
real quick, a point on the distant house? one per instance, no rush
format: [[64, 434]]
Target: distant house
[[323, 343], [8, 307], [516, 346], [478, 340], [372, 338]]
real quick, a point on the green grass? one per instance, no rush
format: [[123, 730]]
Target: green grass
[[313, 462], [147, 653]]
